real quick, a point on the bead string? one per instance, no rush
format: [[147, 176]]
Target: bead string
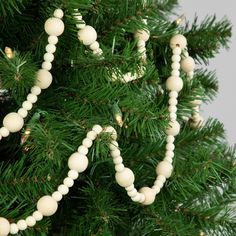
[[87, 35]]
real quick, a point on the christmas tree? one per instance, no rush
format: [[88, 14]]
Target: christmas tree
[[66, 96]]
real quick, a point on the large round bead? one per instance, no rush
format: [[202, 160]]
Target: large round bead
[[178, 41], [164, 168], [13, 122], [47, 205], [44, 79], [188, 64], [78, 162], [4, 227], [149, 195], [125, 178], [174, 128], [87, 35], [54, 26], [174, 83]]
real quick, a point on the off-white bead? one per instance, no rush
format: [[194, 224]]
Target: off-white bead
[[170, 139], [54, 26], [110, 129], [51, 48], [14, 228], [188, 64], [141, 43], [173, 129], [87, 142], [196, 102], [32, 98], [125, 178], [191, 74], [170, 147], [94, 46], [83, 150], [175, 66], [159, 183], [156, 189], [69, 182], [44, 79], [176, 58], [58, 13], [4, 227], [115, 153], [47, 205], [130, 188], [78, 162], [63, 189], [164, 168], [132, 193], [37, 215], [80, 25], [177, 51], [98, 52], [36, 90], [173, 101], [4, 132], [92, 135], [172, 108], [136, 198], [178, 41], [13, 122], [168, 159], [27, 105], [170, 154], [174, 83], [119, 167], [46, 65], [113, 145], [87, 35], [22, 112], [53, 40], [173, 94], [97, 129], [22, 225], [77, 16], [175, 73], [49, 57], [173, 116], [57, 196], [73, 174], [142, 35], [149, 195], [118, 160], [30, 221]]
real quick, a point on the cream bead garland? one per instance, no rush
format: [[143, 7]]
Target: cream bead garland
[[13, 122], [88, 36]]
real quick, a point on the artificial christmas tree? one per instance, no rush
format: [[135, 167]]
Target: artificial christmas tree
[[109, 85]]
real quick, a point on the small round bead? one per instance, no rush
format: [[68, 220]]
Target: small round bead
[[13, 122], [47, 206], [170, 147], [58, 13], [36, 90], [51, 48], [176, 58], [156, 189], [94, 46], [158, 183], [175, 66], [178, 41], [125, 178], [161, 178], [173, 129], [137, 198], [46, 65], [164, 168], [172, 108], [22, 225], [118, 160], [4, 132], [177, 51], [142, 35], [83, 150], [97, 129], [174, 83], [87, 35], [14, 228], [98, 52], [132, 193], [129, 188], [22, 112], [175, 73], [57, 196], [91, 135], [141, 43], [196, 102], [113, 145], [80, 25], [119, 167], [78, 162], [32, 98], [49, 57], [149, 195], [87, 142], [142, 197], [170, 139], [73, 174], [37, 215], [173, 116], [27, 105], [191, 74], [115, 153], [63, 189], [30, 221], [170, 154], [4, 227], [173, 101], [188, 64], [68, 182], [110, 129], [173, 94], [54, 26], [44, 79], [53, 40], [168, 159], [77, 16]]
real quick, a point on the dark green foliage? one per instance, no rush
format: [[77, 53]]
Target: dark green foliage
[[200, 195]]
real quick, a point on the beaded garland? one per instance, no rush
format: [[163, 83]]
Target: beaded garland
[[78, 161]]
